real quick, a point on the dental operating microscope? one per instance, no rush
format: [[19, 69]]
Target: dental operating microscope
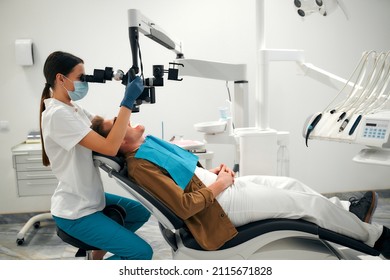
[[140, 24]]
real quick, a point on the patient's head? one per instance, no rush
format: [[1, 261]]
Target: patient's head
[[134, 136]]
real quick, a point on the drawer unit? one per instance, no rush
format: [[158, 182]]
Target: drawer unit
[[33, 178]]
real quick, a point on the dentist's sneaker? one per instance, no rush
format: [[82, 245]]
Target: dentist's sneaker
[[365, 207]]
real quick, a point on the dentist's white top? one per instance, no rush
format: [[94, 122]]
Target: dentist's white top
[[80, 189]]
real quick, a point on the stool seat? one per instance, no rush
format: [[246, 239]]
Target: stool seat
[[115, 212], [83, 247]]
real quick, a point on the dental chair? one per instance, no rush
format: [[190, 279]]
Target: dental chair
[[270, 239]]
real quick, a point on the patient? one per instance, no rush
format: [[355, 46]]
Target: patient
[[214, 202]]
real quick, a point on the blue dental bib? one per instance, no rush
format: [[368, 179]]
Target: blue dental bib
[[179, 163]]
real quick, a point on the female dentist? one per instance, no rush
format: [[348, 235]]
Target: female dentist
[[67, 145]]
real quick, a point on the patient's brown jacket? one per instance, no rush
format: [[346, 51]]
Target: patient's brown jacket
[[196, 205]]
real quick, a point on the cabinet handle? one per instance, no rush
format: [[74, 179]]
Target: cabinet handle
[[34, 159], [48, 176], [21, 153], [37, 168], [38, 184]]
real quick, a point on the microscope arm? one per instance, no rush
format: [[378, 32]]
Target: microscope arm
[[139, 23], [212, 70]]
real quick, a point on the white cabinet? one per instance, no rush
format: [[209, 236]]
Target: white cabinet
[[33, 178]]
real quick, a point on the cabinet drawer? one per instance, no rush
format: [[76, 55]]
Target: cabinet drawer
[[31, 167], [35, 175], [37, 187], [29, 158]]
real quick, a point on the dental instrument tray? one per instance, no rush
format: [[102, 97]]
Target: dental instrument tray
[[372, 130], [211, 127]]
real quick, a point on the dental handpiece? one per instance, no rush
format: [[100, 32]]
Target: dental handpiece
[[343, 125]]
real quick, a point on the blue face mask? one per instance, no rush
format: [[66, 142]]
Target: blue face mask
[[80, 90]]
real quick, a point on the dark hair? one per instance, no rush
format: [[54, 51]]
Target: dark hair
[[56, 62], [97, 126]]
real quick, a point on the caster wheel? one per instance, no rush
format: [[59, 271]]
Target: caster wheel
[[37, 225], [20, 241]]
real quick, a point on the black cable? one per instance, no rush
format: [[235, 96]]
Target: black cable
[[140, 61]]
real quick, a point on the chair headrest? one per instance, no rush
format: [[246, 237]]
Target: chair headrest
[[116, 163]]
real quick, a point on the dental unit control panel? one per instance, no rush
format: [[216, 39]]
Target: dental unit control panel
[[375, 130], [372, 130]]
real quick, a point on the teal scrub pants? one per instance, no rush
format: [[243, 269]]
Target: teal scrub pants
[[102, 232]]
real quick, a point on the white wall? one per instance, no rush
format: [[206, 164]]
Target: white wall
[[219, 30]]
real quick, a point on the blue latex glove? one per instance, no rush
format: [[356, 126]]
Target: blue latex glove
[[132, 92]]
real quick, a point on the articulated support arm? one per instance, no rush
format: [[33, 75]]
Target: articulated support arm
[[138, 23]]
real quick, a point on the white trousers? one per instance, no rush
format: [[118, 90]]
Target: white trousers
[[254, 198]]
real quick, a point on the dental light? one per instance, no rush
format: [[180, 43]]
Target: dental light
[[323, 7]]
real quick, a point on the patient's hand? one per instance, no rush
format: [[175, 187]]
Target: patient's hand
[[224, 180], [226, 176], [217, 169]]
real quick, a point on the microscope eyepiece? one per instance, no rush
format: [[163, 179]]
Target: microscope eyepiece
[[147, 96], [101, 76]]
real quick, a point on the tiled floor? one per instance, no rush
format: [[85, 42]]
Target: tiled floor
[[44, 244]]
